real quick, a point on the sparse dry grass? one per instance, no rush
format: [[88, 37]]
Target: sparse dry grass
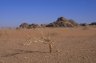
[[48, 45]]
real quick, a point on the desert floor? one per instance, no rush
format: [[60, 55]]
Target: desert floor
[[68, 45]]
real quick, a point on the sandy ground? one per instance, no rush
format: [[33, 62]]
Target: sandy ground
[[68, 45]]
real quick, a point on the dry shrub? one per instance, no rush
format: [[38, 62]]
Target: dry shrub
[[46, 37]]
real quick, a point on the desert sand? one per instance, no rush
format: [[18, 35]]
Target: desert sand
[[68, 45]]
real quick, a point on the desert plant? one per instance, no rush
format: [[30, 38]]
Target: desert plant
[[46, 40], [43, 39], [49, 42]]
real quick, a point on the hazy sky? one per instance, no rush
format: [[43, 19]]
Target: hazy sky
[[14, 12]]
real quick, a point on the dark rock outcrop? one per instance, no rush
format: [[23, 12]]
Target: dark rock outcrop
[[60, 22], [63, 22], [24, 25]]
